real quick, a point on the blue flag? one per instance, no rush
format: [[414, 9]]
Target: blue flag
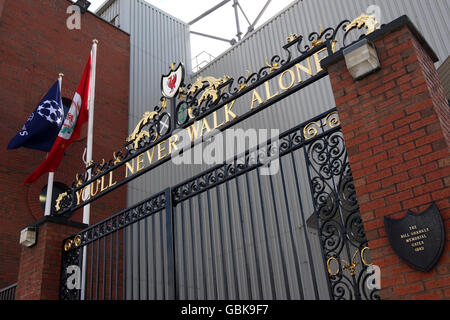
[[43, 125]]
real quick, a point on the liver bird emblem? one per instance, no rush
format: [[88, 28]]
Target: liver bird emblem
[[172, 82]]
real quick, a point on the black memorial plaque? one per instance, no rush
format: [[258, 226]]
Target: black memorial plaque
[[418, 239]]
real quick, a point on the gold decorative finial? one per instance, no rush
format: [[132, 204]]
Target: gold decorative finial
[[291, 37], [90, 163], [117, 158], [61, 75], [172, 66], [95, 41], [79, 179], [272, 67], [369, 21]]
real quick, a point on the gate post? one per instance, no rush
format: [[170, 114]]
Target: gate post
[[40, 266], [396, 126]]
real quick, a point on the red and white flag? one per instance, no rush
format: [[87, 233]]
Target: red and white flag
[[70, 130]]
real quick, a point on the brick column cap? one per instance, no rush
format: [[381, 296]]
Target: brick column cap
[[382, 32], [58, 220]]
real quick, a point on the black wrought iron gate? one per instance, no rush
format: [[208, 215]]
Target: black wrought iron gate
[[218, 235], [231, 232]]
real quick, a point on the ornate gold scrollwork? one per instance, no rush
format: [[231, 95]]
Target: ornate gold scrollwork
[[101, 166], [346, 266], [77, 241], [61, 196], [291, 37], [117, 158], [68, 245], [351, 267], [272, 67], [211, 91], [78, 179], [369, 21], [163, 103], [331, 273], [90, 163], [332, 120], [182, 92], [244, 85], [362, 257], [312, 129], [138, 134], [72, 242]]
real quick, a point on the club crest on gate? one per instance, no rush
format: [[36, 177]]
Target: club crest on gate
[[418, 239], [171, 83]]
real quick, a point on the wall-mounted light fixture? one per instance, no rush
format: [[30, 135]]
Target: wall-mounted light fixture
[[28, 237], [361, 59], [83, 4]]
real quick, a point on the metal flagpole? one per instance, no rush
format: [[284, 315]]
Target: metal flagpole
[[51, 175], [90, 134]]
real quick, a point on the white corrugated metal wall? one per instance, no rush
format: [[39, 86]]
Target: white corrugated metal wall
[[157, 40], [304, 17]]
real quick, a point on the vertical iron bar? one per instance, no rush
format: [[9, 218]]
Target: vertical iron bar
[[131, 241], [308, 245], [147, 265], [104, 267], [211, 237], [92, 272], [282, 251], [97, 271], [176, 251], [194, 264], [269, 256], [155, 279], [117, 264], [183, 237], [225, 264], [124, 281], [247, 273], [230, 222], [170, 246], [257, 260], [111, 240], [292, 232], [82, 255], [161, 239], [138, 245], [202, 244]]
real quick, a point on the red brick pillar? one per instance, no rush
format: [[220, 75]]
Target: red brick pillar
[[40, 265], [396, 125]]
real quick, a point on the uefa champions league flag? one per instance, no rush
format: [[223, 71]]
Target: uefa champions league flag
[[43, 125], [70, 130]]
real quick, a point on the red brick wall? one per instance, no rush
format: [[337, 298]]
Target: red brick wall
[[40, 267], [35, 47], [396, 127]]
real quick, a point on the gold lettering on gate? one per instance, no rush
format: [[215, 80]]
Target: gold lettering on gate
[[213, 89]]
